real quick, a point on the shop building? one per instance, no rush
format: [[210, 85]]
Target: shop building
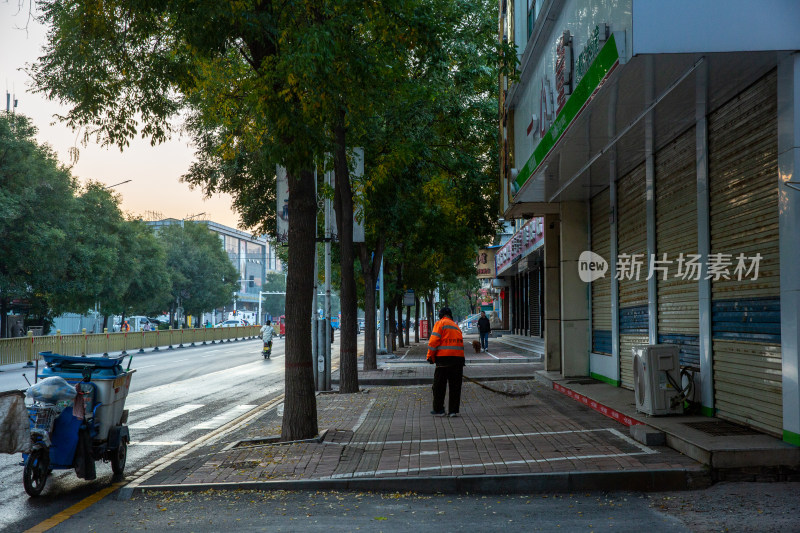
[[658, 143], [519, 266]]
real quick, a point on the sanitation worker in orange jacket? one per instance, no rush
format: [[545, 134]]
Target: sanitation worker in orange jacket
[[446, 350]]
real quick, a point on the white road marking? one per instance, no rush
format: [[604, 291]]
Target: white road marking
[[179, 360], [364, 415], [158, 443], [163, 417], [632, 442], [227, 416], [614, 432], [145, 366], [420, 453], [492, 355], [478, 465], [136, 406]]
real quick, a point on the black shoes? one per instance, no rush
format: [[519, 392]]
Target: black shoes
[[438, 413]]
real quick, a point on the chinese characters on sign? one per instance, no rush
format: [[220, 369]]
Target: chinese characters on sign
[[484, 264], [526, 240], [563, 69], [688, 267]]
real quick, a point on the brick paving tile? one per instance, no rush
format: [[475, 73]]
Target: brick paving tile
[[389, 430]]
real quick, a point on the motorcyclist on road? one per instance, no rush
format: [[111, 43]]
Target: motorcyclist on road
[[266, 335]]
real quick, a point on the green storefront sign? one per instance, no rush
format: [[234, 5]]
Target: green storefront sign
[[606, 59]]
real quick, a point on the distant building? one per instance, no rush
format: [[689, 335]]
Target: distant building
[[252, 257]]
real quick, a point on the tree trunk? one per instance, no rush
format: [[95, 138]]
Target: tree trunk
[[400, 325], [3, 318], [416, 319], [300, 406], [408, 323], [348, 299], [370, 268], [392, 328], [430, 309]]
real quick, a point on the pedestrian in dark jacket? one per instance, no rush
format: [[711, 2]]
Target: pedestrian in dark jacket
[[484, 328]]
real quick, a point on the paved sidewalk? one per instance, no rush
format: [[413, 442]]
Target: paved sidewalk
[[384, 438]]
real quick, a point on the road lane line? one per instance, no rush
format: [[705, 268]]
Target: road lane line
[[163, 417], [136, 406], [69, 512], [158, 443], [220, 419]]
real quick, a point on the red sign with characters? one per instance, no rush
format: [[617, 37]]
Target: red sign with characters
[[423, 329]]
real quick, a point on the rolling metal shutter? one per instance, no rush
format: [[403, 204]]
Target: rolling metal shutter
[[533, 300], [601, 288], [632, 229], [744, 220], [676, 233]]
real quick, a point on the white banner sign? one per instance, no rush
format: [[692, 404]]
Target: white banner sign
[[282, 193]]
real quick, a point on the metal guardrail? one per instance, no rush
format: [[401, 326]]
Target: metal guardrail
[[24, 349]]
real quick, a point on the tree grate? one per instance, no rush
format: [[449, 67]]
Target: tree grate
[[721, 428]]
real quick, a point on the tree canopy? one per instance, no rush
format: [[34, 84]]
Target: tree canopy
[[268, 83], [202, 276]]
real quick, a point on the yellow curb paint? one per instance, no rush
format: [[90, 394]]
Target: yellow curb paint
[[73, 510]]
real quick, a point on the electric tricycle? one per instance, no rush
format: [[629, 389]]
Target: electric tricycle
[[74, 433]]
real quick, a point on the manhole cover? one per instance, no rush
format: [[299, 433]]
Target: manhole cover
[[721, 428]]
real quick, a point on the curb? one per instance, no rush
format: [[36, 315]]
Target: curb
[[556, 482]]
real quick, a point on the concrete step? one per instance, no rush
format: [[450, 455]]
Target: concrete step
[[728, 454], [529, 345]]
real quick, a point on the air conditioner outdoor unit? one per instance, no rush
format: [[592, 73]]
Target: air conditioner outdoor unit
[[656, 379]]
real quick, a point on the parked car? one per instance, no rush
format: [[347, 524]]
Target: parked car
[[230, 324]]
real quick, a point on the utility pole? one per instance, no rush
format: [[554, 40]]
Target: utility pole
[[382, 335], [315, 344], [328, 224]]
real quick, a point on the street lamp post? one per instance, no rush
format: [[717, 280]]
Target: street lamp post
[[120, 183], [260, 295]]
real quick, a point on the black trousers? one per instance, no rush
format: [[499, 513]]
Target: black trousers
[[442, 377]]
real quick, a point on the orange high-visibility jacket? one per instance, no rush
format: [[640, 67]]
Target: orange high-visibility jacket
[[446, 345]]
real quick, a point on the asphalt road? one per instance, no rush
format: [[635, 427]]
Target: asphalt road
[[176, 396], [734, 507]]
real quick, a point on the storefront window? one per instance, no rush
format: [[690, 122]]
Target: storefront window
[[531, 16]]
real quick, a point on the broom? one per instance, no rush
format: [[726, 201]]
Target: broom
[[512, 394]]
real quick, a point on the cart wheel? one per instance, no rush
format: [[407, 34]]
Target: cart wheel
[[34, 476], [118, 457]]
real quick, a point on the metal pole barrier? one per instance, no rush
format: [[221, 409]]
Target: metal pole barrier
[[30, 349]]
